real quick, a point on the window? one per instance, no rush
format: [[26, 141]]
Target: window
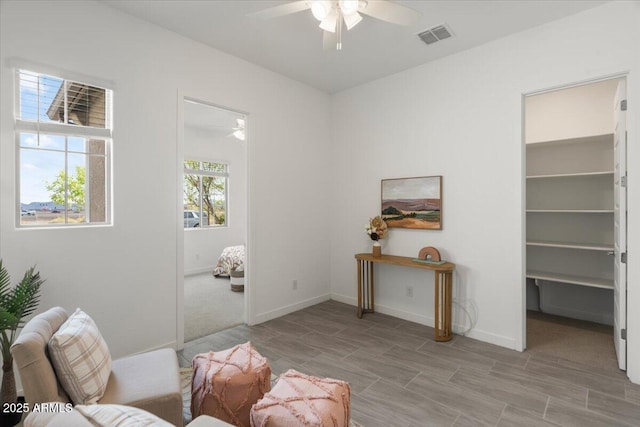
[[63, 133], [205, 194]]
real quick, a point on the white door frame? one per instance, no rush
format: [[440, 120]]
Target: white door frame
[[620, 226], [249, 291], [521, 342]]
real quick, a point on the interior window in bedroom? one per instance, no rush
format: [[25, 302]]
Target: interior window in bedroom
[[205, 194], [63, 137]]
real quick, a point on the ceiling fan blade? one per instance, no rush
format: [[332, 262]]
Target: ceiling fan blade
[[391, 12], [283, 9], [329, 40], [330, 21]]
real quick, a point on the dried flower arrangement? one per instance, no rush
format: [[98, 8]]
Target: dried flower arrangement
[[376, 228]]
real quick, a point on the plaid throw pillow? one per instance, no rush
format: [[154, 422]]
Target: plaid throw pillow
[[80, 358], [121, 416]]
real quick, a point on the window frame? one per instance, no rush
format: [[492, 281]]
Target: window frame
[[40, 128], [200, 173]]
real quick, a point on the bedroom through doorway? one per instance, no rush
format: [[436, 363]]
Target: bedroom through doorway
[[214, 218]]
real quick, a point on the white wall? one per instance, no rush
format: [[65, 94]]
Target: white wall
[[125, 275], [575, 112], [461, 117], [202, 246]]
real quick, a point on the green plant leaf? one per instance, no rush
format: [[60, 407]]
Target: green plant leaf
[[16, 304]]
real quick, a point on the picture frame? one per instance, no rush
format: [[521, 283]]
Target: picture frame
[[414, 203]]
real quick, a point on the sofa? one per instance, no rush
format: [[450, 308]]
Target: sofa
[[149, 381]]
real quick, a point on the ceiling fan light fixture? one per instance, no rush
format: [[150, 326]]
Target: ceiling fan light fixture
[[329, 22], [352, 20], [348, 7], [239, 134], [320, 9]]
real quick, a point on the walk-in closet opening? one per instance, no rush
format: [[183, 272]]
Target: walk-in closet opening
[[576, 223]]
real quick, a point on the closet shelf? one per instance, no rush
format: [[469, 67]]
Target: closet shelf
[[572, 245], [571, 175], [588, 211], [604, 138], [569, 278]]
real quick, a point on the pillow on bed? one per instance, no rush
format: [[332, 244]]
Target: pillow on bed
[[231, 258]]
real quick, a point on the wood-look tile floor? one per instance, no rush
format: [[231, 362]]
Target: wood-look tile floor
[[400, 377]]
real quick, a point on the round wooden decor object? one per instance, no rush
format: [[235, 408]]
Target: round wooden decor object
[[429, 253]]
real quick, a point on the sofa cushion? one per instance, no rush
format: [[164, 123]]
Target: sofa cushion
[[81, 358], [120, 416], [149, 381], [65, 418], [95, 416]]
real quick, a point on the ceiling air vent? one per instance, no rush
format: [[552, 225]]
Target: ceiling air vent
[[435, 34]]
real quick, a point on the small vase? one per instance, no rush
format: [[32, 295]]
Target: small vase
[[377, 249]]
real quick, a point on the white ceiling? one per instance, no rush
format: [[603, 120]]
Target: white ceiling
[[292, 45]]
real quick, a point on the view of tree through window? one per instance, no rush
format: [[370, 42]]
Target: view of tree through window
[[205, 194], [64, 132]]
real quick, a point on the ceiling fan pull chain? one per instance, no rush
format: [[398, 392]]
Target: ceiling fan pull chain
[[339, 30]]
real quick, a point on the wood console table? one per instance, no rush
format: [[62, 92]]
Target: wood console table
[[443, 284]]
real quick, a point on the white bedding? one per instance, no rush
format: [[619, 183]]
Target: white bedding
[[232, 258]]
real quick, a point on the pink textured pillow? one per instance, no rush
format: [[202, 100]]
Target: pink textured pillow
[[299, 399]]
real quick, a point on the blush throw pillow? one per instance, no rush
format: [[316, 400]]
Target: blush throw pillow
[[81, 359]]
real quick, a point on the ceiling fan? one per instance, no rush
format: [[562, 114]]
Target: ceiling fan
[[238, 130], [333, 14]]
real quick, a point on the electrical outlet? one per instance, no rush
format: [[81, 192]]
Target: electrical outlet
[[410, 291], [295, 284]]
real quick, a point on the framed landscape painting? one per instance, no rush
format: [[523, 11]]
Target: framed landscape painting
[[413, 202]]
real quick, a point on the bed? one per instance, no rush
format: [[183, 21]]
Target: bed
[[231, 259]]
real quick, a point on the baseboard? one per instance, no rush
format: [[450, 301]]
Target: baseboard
[[401, 314], [273, 314], [171, 344], [491, 338], [476, 334], [344, 299], [589, 316], [200, 270]]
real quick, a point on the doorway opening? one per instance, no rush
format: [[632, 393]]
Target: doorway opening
[[575, 149], [213, 181]]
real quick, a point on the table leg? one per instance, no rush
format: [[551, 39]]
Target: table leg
[[443, 300], [365, 287], [371, 286], [359, 312]]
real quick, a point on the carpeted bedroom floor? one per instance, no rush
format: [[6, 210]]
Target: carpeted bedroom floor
[[210, 306]]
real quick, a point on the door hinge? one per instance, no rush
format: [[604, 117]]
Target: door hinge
[[623, 181], [623, 105], [623, 334], [623, 257]]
